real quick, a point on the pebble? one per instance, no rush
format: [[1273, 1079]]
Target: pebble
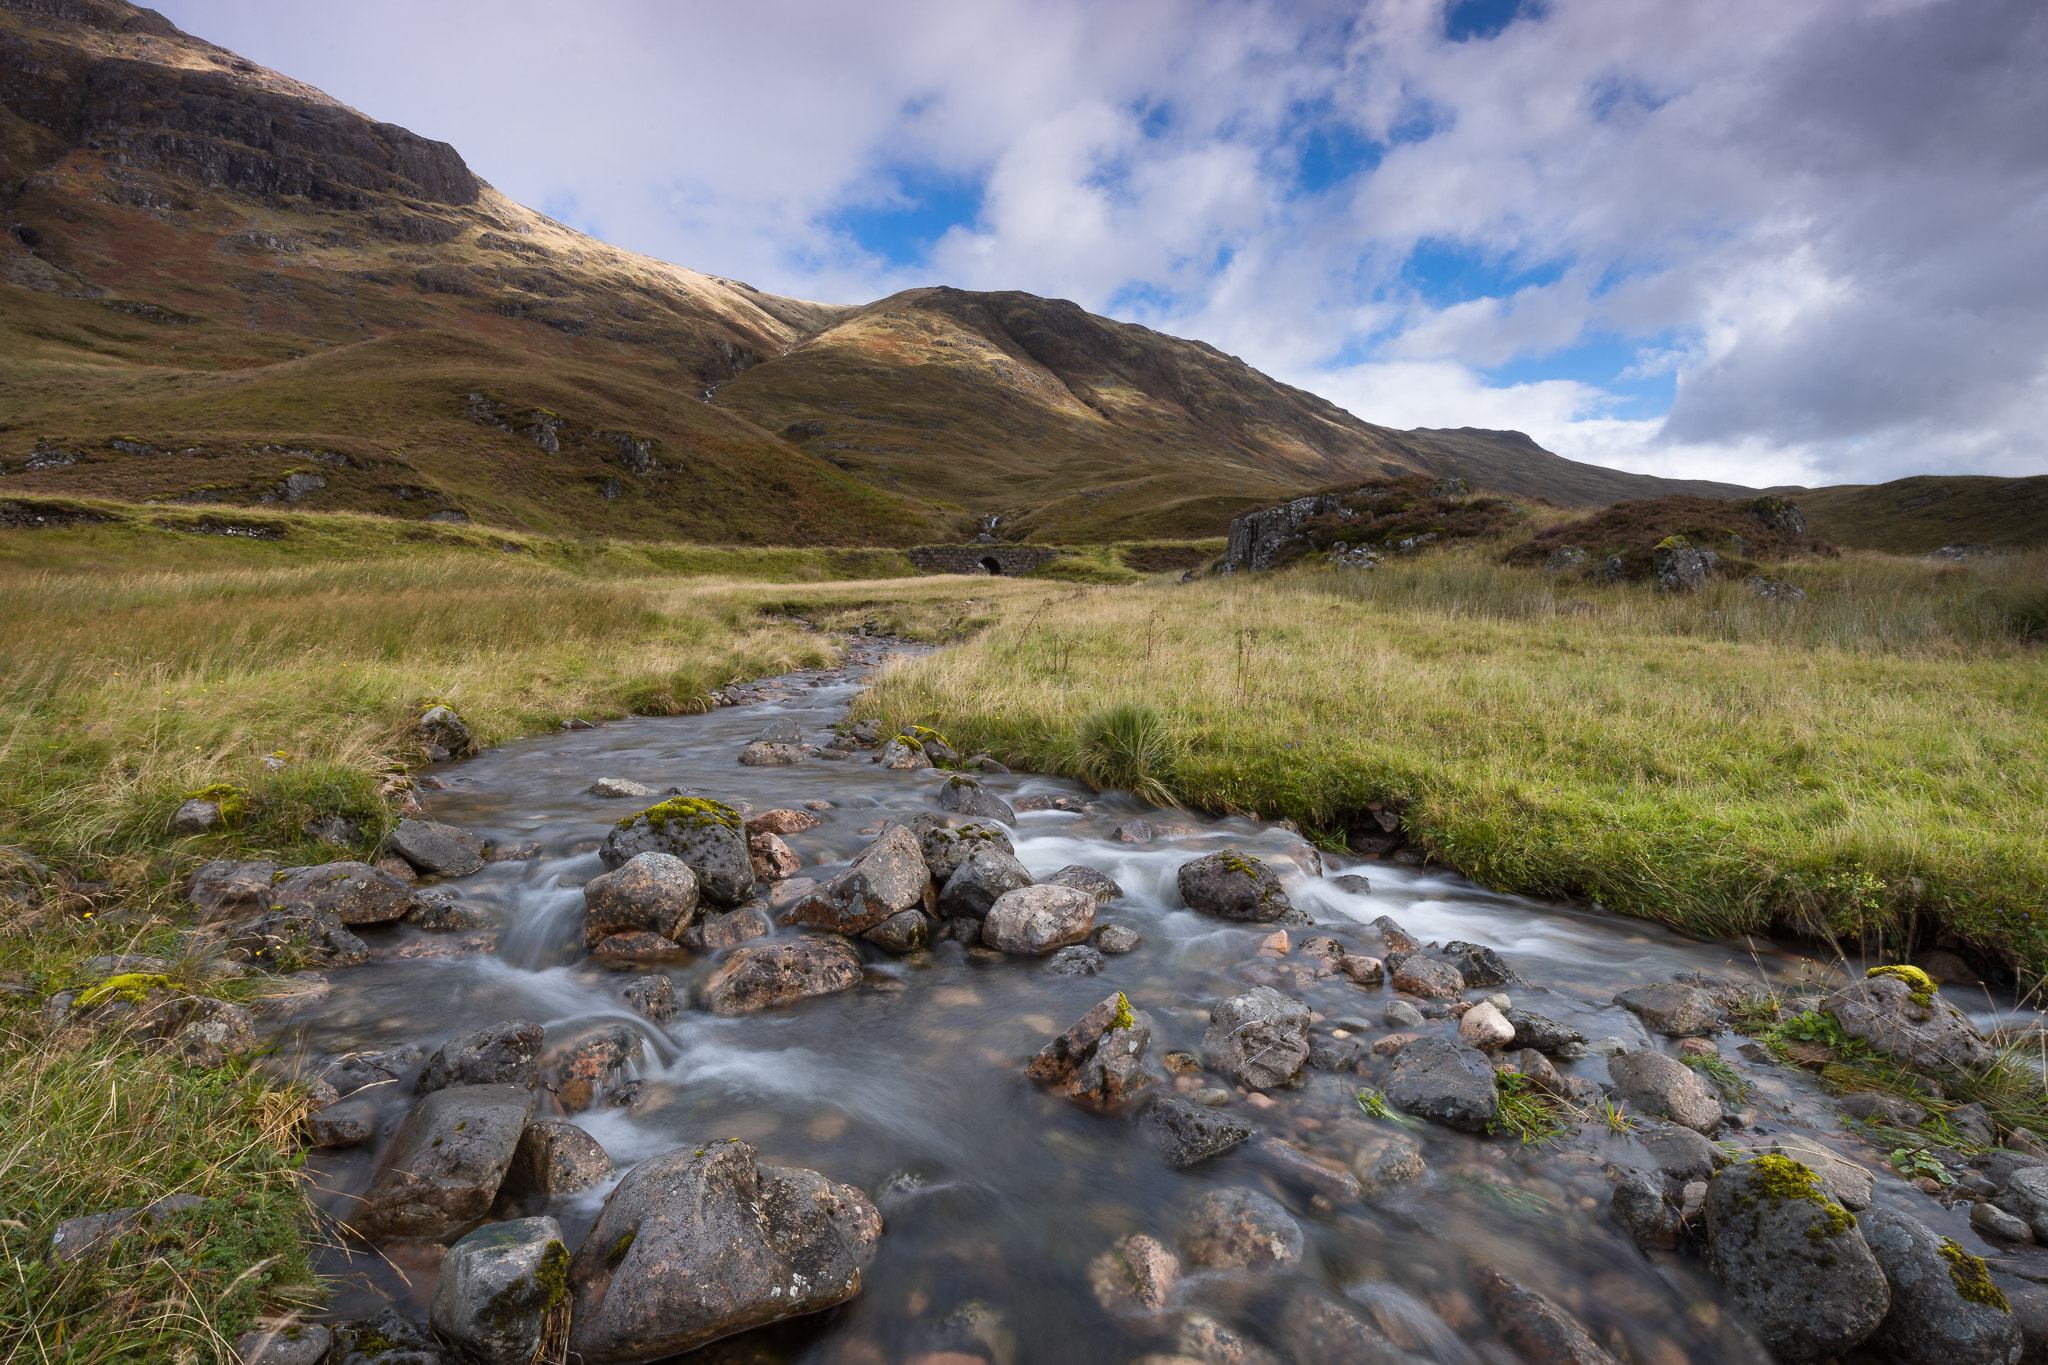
[[1989, 1218], [1610, 1046], [1401, 1014], [1212, 1097], [1500, 1002]]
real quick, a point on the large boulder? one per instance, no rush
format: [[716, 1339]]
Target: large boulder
[[1945, 1308], [1793, 1260], [585, 1059], [964, 796], [288, 940], [438, 850], [1672, 1010], [760, 976], [503, 1294], [1543, 1033], [446, 1161], [653, 893], [1429, 978], [225, 886], [1897, 1011], [1233, 885], [903, 932], [886, 878], [503, 1054], [1259, 1039], [1096, 884], [761, 754], [354, 893], [977, 883], [708, 835], [705, 1242], [1437, 1079], [1240, 1227], [1665, 1088], [945, 848], [1034, 920]]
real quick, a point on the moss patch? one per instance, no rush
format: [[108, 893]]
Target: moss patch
[[232, 800], [691, 812], [620, 1248], [132, 987], [1921, 983], [1971, 1279], [533, 1297], [1781, 1178], [1124, 1017]]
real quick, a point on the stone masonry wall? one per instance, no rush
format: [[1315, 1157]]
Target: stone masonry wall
[[1008, 560]]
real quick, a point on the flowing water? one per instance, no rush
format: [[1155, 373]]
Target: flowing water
[[992, 1190]]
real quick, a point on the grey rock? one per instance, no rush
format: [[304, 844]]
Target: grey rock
[[965, 796], [503, 1054], [1088, 879], [386, 1337], [903, 932], [1401, 1014], [555, 1157], [442, 726], [886, 878], [1233, 885], [1437, 1079], [1134, 832], [1973, 1123], [437, 849], [338, 830], [708, 835], [730, 929], [1187, 1134], [226, 886], [1383, 1159], [1536, 1327], [761, 976], [1240, 1227], [1680, 567], [446, 1161], [1944, 1308], [345, 1123], [1076, 960], [2026, 1196], [286, 940], [1882, 1012], [1428, 977], [1610, 1046], [781, 730], [1672, 1010], [1259, 1039], [1478, 964], [655, 893], [1793, 1261], [1351, 884], [196, 816], [654, 996], [503, 1292], [354, 893], [903, 755], [75, 1238], [1996, 1222], [1397, 939], [1664, 1087], [1117, 939], [1542, 1032], [1681, 1153], [978, 881], [946, 847], [211, 1032], [704, 1242], [1638, 1208], [759, 755], [299, 1343], [1317, 1329], [357, 1070], [442, 914], [2001, 1166], [612, 788], [1034, 920]]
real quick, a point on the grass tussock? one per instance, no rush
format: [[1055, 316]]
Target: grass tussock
[[1870, 760]]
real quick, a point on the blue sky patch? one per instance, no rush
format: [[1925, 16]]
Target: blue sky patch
[[903, 230], [1446, 272]]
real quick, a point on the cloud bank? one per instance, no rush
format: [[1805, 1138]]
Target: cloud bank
[[1769, 241]]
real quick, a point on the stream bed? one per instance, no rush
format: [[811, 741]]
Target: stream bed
[[998, 1196]]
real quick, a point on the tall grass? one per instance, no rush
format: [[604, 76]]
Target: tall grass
[[1871, 757]]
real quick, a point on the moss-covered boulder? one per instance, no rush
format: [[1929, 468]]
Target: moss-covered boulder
[[1945, 1308], [503, 1294], [1898, 1011], [1793, 1259], [1233, 885], [708, 835]]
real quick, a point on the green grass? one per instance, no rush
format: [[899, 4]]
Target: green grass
[[92, 1123], [1872, 761]]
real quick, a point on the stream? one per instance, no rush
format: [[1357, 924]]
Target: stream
[[993, 1191]]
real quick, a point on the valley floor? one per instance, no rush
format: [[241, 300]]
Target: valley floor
[[1871, 764]]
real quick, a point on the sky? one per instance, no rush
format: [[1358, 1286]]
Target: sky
[[1764, 241]]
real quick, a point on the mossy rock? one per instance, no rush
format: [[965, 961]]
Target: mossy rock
[[710, 836]]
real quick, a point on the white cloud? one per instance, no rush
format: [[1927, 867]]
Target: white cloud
[[1823, 219]]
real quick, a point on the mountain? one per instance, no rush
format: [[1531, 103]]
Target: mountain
[[221, 285], [1921, 514]]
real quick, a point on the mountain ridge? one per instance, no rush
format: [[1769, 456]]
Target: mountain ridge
[[195, 240]]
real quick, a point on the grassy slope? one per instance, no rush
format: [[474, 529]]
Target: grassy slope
[[1713, 762], [1898, 517]]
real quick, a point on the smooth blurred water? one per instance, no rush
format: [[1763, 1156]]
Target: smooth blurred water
[[911, 1085]]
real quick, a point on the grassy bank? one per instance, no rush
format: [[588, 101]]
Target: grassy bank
[[1867, 762]]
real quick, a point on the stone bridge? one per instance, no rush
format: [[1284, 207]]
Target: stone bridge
[[1005, 561]]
